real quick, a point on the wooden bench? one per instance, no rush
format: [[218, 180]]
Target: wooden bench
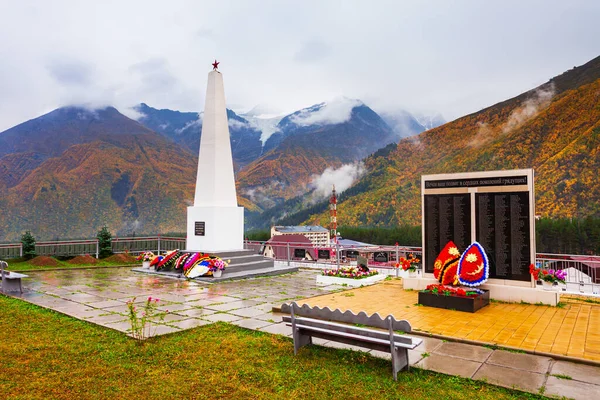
[[304, 328], [11, 281]]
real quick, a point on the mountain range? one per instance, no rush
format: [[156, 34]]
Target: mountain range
[[554, 129], [69, 172], [73, 170]]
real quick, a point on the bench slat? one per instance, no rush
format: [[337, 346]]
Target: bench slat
[[350, 329], [408, 345]]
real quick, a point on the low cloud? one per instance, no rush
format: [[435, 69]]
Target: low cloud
[[342, 177], [540, 99], [335, 112], [484, 135], [191, 124], [258, 195], [234, 123]]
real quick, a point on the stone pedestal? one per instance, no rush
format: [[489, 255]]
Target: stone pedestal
[[223, 229]]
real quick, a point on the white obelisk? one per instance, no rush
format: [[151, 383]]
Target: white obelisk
[[215, 222]]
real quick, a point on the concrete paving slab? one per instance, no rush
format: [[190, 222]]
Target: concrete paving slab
[[105, 304], [511, 378], [428, 344], [233, 305], [122, 326], [526, 362], [221, 317], [579, 372], [449, 365], [465, 351], [163, 330], [277, 329], [106, 319], [250, 323], [247, 312], [196, 312], [270, 317], [571, 389], [168, 318], [189, 323]]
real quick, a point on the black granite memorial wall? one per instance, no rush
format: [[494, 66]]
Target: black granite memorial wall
[[502, 228], [447, 217]]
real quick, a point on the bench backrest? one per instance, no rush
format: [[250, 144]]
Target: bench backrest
[[353, 330], [347, 317]]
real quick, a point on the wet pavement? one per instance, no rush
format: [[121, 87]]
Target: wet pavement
[[100, 296]]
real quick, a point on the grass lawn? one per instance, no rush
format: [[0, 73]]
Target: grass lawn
[[20, 264], [47, 355]]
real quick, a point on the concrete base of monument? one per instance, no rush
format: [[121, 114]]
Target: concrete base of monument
[[242, 264], [508, 293], [215, 228]]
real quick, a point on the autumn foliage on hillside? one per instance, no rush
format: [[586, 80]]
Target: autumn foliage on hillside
[[554, 129]]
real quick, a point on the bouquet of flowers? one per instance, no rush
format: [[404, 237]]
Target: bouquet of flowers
[[408, 264], [216, 263], [349, 272], [548, 275], [146, 256], [442, 290]]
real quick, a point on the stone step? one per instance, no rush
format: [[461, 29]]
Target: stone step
[[243, 259], [248, 266]]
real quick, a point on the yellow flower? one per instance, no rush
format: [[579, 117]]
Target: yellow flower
[[471, 257]]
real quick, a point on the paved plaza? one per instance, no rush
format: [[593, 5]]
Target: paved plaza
[[100, 295]]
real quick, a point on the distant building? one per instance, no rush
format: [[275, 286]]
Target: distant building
[[299, 247], [318, 235]]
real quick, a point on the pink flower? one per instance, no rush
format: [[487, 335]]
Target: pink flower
[[149, 299]]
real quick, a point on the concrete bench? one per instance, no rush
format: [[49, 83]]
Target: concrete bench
[[304, 328], [11, 281]]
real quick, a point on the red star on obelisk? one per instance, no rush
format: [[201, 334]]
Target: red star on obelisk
[[215, 65]]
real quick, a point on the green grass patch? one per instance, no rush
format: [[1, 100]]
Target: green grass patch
[[496, 347], [25, 265], [561, 376], [46, 355]]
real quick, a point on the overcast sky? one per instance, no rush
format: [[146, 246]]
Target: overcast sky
[[452, 57]]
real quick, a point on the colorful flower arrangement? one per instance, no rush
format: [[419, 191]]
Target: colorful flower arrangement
[[349, 272], [408, 264], [443, 290], [146, 256], [548, 275], [216, 264]]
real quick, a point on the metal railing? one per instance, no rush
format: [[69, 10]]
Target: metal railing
[[583, 272], [334, 254], [132, 245]]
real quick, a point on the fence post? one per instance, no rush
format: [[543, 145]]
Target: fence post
[[397, 258], [97, 249], [158, 251], [288, 254], [21, 250]]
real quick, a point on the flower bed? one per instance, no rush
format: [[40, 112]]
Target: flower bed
[[349, 272], [455, 298]]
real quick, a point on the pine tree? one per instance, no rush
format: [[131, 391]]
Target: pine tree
[[104, 242], [28, 242]]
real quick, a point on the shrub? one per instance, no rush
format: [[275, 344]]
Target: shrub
[[28, 242], [104, 242]]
